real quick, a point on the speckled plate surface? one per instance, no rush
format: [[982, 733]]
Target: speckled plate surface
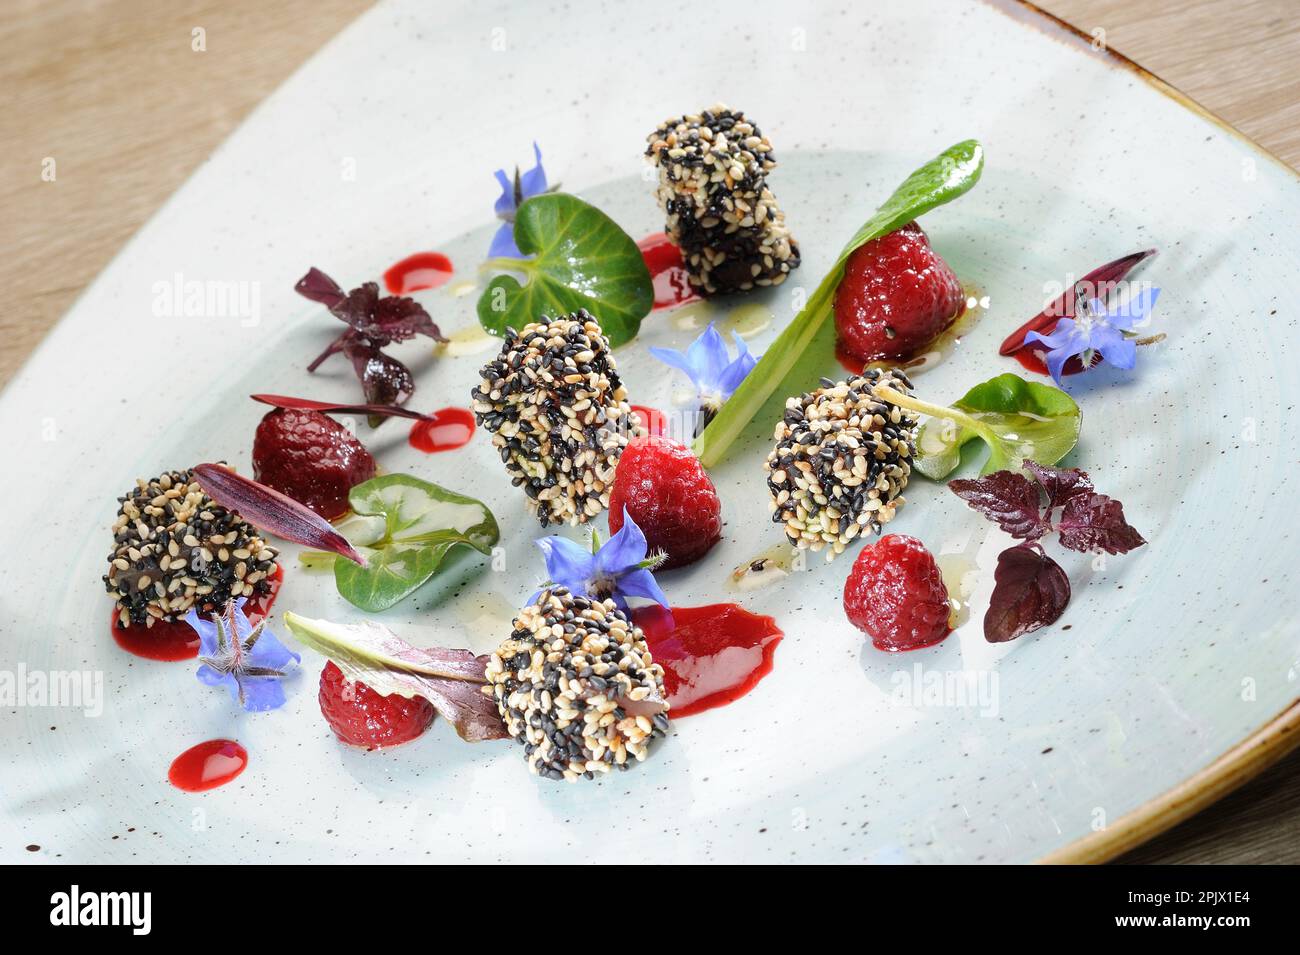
[[384, 144]]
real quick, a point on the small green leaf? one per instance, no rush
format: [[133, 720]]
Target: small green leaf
[[405, 527], [1016, 418], [580, 259], [941, 180]]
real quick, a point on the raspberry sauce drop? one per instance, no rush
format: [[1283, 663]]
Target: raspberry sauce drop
[[667, 271], [848, 361], [652, 419], [711, 655], [416, 272], [174, 641], [450, 428], [207, 765]]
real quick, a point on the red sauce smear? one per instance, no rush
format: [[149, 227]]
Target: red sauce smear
[[450, 428], [207, 765], [849, 362], [1064, 306], [417, 272], [652, 419], [711, 655], [667, 271], [170, 642]]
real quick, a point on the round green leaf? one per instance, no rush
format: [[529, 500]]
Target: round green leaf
[[407, 526], [580, 259], [1016, 418]]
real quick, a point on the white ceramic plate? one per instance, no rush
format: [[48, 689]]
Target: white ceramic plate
[[384, 144]]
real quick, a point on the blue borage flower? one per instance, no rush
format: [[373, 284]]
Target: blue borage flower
[[1098, 329], [617, 569], [513, 193], [712, 370], [248, 660]]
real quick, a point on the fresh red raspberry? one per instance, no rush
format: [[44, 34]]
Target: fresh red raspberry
[[664, 487], [311, 458], [896, 595], [896, 296], [361, 717]]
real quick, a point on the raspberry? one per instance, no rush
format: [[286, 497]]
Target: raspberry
[[896, 296], [664, 487], [896, 595], [361, 717], [311, 458]]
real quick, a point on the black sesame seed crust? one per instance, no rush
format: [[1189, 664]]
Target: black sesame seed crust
[[558, 414], [713, 170], [841, 461], [577, 688], [174, 549]]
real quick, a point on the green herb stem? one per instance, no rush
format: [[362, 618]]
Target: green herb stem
[[934, 411]]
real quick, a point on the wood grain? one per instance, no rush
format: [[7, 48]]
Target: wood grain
[[1237, 58], [117, 96]]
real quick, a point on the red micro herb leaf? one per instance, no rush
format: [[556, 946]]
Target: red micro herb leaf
[[1030, 591], [1007, 498], [1061, 484], [373, 321], [319, 287], [1064, 306], [1093, 522], [271, 511], [384, 379], [330, 407]]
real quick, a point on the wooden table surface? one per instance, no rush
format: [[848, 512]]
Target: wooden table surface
[[114, 92]]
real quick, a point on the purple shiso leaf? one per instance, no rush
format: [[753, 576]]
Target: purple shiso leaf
[[1093, 522], [384, 379], [1007, 498], [269, 510], [334, 348], [402, 318], [330, 407], [1061, 484], [319, 287], [1030, 591], [373, 321]]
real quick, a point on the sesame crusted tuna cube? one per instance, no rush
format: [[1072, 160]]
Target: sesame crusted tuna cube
[[558, 415], [841, 461], [577, 688], [713, 169], [177, 550]]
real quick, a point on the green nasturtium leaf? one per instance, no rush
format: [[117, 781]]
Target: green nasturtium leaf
[[580, 259], [404, 527], [942, 179], [1017, 419]]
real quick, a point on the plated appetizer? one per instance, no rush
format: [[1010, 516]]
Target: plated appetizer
[[597, 658]]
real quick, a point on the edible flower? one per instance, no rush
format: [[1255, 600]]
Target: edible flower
[[1097, 329], [248, 660], [616, 570], [712, 370], [513, 194]]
